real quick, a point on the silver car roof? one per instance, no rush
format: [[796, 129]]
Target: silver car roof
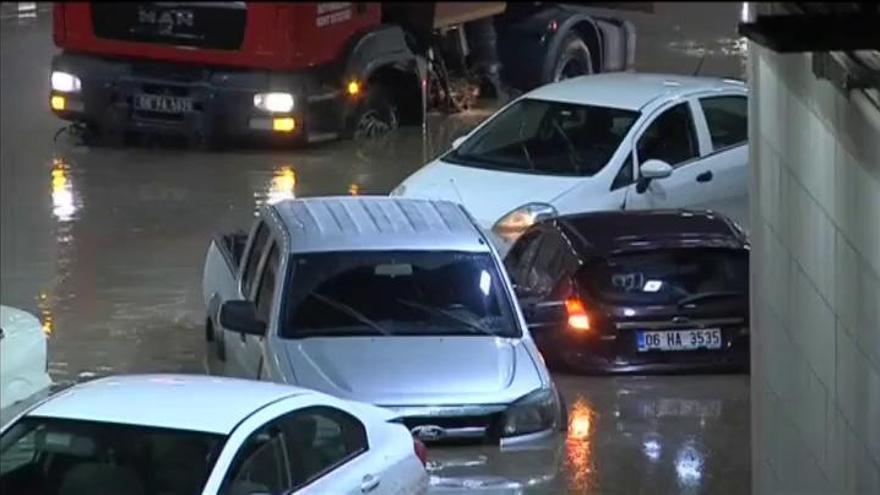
[[359, 223]]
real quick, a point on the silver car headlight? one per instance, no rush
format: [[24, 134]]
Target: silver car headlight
[[516, 222], [274, 102], [537, 411]]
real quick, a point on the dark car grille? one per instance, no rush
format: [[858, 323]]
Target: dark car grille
[[489, 423], [217, 25]]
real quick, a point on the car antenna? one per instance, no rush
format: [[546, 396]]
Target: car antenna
[[457, 192], [700, 63]]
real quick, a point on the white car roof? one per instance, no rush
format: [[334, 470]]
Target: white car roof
[[628, 90], [361, 223], [186, 402]]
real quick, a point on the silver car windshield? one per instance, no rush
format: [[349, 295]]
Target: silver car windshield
[[397, 293], [547, 137]]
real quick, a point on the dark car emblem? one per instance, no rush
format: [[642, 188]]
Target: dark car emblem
[[165, 20], [428, 432]]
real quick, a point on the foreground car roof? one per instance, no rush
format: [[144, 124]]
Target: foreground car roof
[[628, 90], [607, 232], [346, 223], [187, 402]]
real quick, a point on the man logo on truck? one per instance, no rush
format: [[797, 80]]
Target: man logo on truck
[[167, 20]]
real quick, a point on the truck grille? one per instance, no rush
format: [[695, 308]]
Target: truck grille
[[216, 25]]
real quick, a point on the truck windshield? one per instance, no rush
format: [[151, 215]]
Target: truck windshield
[[397, 293], [670, 276], [41, 455], [546, 137]]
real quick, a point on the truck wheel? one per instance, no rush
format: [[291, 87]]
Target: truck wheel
[[376, 115], [574, 59]]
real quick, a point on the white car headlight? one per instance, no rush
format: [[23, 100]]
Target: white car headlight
[[537, 411], [274, 102], [64, 82], [512, 225]]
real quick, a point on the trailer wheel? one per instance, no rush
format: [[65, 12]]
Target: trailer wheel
[[376, 115], [574, 59]]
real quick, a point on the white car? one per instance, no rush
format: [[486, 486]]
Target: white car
[[185, 435], [599, 142], [23, 361]]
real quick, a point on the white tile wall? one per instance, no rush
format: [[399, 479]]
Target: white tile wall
[[815, 167]]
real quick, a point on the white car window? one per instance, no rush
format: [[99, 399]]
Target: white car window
[[320, 440], [671, 137], [547, 137], [261, 465], [727, 118], [253, 257]]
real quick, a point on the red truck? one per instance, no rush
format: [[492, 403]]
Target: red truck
[[311, 71]]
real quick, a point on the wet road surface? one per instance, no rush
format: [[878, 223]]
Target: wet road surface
[[106, 245]]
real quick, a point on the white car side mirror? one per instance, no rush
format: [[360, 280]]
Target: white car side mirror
[[457, 141], [655, 169]]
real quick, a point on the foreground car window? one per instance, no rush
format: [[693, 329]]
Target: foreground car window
[[397, 293], [670, 276], [49, 456], [547, 137]]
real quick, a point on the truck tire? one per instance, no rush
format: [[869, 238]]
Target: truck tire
[[376, 115], [573, 60]]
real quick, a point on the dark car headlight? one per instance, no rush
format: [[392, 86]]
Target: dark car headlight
[[537, 411]]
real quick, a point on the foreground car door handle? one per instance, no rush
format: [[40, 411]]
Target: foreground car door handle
[[369, 483], [705, 176]]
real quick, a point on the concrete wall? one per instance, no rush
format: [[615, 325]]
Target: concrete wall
[[815, 206]]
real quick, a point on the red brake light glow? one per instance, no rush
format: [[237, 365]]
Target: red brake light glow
[[578, 319]]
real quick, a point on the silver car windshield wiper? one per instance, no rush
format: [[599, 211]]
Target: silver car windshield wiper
[[708, 295], [348, 310], [447, 314]]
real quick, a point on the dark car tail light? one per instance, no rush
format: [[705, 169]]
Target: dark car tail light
[[578, 319], [421, 451]]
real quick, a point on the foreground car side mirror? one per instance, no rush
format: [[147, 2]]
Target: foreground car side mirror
[[650, 170], [241, 316]]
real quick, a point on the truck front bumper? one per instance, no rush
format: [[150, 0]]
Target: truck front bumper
[[219, 102]]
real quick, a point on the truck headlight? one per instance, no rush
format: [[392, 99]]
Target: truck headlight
[[537, 411], [64, 82], [512, 225], [274, 102]]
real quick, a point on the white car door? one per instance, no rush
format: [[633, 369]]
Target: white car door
[[722, 121], [669, 136], [312, 450]]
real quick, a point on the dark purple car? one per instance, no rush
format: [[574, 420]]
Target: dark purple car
[[634, 291]]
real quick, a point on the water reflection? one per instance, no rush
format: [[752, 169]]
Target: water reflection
[[579, 445], [281, 186], [689, 465], [63, 205]]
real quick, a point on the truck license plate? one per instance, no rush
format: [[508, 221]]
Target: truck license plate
[[163, 103], [679, 340]]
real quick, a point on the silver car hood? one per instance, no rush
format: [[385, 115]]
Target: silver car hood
[[415, 371]]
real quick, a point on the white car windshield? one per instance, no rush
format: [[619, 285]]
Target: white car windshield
[[397, 293], [546, 137], [59, 456]]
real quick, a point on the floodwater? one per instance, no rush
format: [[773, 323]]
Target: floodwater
[[106, 246]]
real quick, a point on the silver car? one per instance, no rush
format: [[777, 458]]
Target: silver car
[[401, 303]]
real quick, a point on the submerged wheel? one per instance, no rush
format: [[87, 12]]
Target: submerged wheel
[[376, 115], [574, 59]]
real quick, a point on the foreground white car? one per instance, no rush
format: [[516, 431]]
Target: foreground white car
[[22, 357], [179, 434], [600, 142]]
